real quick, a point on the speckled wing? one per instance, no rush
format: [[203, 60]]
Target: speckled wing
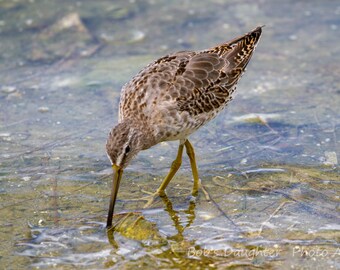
[[185, 89], [151, 86], [214, 74]]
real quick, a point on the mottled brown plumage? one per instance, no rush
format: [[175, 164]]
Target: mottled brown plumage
[[177, 94]]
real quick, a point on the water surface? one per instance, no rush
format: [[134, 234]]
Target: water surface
[[269, 162]]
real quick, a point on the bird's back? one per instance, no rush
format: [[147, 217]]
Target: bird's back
[[180, 92]]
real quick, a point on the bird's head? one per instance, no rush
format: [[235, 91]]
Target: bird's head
[[123, 143]]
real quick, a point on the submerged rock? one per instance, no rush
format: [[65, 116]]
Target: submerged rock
[[61, 39]]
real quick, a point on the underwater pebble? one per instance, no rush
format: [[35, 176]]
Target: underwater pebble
[[129, 37], [94, 83], [120, 13], [206, 216], [43, 109], [331, 158], [64, 82], [68, 21], [226, 26], [41, 222], [252, 117], [8, 89], [29, 22], [137, 35], [244, 161], [334, 27], [57, 36], [6, 137], [26, 178], [293, 37]]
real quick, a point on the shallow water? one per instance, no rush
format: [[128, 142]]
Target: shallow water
[[269, 162]]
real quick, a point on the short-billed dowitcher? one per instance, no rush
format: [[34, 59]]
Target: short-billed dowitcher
[[170, 99]]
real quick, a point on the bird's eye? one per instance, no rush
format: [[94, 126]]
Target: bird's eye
[[127, 149]]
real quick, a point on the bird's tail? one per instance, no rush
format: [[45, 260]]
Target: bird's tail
[[238, 51]]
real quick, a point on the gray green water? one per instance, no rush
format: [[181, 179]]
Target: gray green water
[[269, 162]]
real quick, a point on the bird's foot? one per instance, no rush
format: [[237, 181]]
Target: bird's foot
[[150, 198]]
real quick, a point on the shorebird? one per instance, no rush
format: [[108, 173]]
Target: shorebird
[[170, 99]]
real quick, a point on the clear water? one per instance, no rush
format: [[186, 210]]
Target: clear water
[[269, 162]]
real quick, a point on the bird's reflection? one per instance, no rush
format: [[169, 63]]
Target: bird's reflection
[[174, 215], [133, 224]]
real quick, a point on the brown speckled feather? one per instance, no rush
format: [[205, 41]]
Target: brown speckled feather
[[180, 92]]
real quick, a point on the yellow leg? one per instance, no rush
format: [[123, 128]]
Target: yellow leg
[[191, 155], [174, 168]]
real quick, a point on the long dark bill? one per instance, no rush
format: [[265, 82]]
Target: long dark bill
[[117, 175]]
